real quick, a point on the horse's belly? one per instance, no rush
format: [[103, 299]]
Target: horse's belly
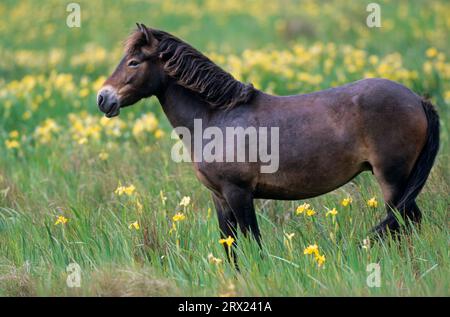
[[295, 191], [302, 182]]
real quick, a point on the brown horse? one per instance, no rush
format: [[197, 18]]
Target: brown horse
[[326, 138]]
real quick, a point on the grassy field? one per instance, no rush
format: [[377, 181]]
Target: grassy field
[[61, 163]]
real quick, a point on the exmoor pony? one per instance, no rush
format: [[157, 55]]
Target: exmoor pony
[[326, 138]]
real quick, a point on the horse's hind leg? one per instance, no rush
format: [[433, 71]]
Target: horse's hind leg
[[413, 213], [410, 213], [393, 180]]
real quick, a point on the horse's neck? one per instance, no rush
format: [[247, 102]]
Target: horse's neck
[[182, 106]]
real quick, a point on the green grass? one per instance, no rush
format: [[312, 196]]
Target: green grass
[[39, 182]]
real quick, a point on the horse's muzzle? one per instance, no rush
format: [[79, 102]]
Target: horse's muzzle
[[108, 102]]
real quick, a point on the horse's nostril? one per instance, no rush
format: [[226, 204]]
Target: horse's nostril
[[100, 99], [107, 100]]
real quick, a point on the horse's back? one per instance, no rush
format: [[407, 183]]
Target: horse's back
[[372, 89], [340, 132], [365, 103], [328, 137]]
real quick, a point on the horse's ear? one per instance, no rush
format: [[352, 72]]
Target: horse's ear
[[139, 27], [150, 39]]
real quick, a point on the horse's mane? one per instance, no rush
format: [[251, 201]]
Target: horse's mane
[[193, 70]]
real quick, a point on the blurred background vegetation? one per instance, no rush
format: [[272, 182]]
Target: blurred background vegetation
[[249, 38]]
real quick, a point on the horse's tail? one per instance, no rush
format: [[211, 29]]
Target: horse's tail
[[424, 163]]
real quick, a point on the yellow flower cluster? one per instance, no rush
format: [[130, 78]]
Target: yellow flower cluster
[[134, 225], [35, 60], [436, 62], [305, 208], [125, 190], [13, 143], [46, 131], [228, 241], [103, 156], [91, 57], [301, 67], [346, 201], [178, 217], [146, 123], [333, 212], [372, 202], [84, 127], [61, 220], [314, 250]]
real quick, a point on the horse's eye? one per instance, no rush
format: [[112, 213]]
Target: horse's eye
[[133, 63]]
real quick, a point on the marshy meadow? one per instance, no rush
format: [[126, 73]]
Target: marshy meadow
[[81, 193]]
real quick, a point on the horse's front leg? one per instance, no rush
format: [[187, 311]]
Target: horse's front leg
[[235, 207], [227, 225], [240, 202]]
